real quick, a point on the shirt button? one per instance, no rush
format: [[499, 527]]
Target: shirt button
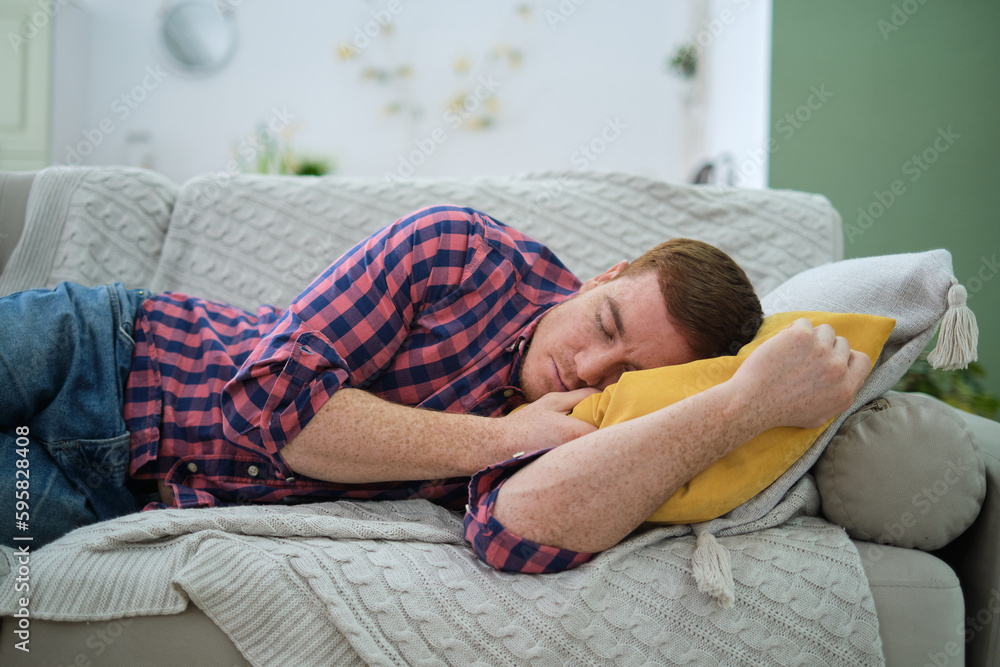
[[290, 478], [508, 393], [193, 467], [253, 471], [518, 454]]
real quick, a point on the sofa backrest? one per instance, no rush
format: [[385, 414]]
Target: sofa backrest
[[262, 239], [254, 239]]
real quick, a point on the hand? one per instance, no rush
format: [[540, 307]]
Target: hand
[[803, 376], [544, 423]]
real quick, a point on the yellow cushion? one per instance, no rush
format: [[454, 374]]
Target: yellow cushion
[[752, 467]]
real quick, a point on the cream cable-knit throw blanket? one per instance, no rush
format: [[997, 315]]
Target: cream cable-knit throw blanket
[[394, 583], [261, 239]]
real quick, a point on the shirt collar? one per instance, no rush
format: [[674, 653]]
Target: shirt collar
[[520, 349]]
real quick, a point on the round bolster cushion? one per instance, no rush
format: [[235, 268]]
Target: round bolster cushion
[[905, 470]]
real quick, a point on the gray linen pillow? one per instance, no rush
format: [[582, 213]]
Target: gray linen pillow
[[906, 471]]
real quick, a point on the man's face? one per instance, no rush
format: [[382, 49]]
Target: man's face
[[610, 327]]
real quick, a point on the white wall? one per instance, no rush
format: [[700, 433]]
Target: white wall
[[591, 74], [736, 35]]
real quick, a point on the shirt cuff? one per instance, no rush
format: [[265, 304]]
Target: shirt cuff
[[499, 547], [312, 372]]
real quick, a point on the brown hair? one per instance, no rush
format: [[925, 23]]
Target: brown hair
[[707, 294]]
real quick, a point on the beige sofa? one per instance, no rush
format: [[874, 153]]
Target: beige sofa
[[936, 470]]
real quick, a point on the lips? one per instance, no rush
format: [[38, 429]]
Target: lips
[[559, 384]]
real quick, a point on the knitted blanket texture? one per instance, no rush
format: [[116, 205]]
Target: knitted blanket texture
[[394, 583]]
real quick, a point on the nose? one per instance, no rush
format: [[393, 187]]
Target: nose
[[596, 367]]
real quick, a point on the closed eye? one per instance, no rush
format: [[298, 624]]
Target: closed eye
[[602, 328], [611, 335]]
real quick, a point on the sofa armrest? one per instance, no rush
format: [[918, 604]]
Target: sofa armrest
[[14, 189], [89, 225], [975, 555]]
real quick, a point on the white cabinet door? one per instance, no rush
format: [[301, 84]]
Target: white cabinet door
[[25, 48]]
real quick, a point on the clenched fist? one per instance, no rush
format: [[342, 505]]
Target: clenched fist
[[803, 376]]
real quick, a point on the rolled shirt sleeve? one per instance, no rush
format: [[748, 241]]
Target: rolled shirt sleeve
[[499, 547], [347, 326]]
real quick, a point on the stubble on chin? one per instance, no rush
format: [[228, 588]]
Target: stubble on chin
[[528, 377]]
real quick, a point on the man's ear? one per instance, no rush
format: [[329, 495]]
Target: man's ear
[[604, 277]]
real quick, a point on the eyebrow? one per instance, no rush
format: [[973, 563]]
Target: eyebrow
[[616, 313]]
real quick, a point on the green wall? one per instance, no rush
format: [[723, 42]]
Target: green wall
[[893, 107]]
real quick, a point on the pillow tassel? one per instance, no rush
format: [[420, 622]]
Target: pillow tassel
[[712, 569], [958, 336]]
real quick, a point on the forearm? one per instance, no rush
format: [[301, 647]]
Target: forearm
[[589, 494], [358, 438]]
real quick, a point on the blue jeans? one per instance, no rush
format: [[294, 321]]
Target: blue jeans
[[65, 356]]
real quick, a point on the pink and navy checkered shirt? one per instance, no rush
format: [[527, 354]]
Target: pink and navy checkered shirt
[[431, 311]]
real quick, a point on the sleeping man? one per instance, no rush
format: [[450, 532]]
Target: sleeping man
[[395, 375]]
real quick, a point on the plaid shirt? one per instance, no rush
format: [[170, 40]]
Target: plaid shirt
[[431, 311]]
